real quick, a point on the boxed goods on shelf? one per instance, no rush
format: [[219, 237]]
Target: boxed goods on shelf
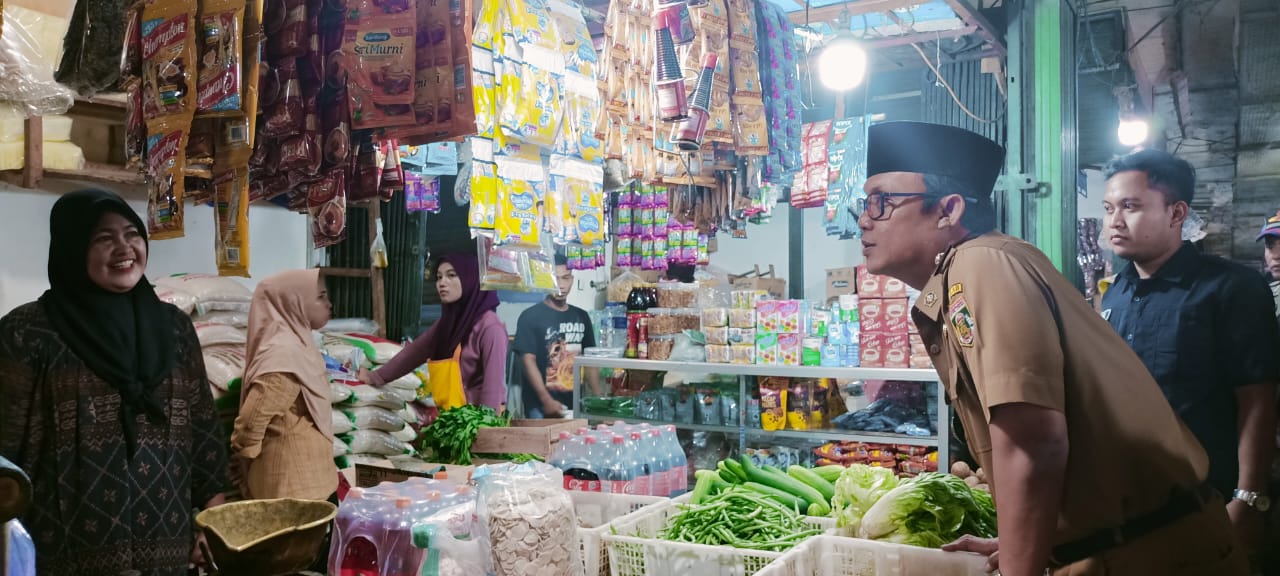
[[829, 555]]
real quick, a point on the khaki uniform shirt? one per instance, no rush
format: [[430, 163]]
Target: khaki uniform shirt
[[987, 318], [288, 456]]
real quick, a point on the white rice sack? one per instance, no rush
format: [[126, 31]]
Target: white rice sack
[[374, 418], [207, 288], [377, 442], [409, 381], [211, 335], [347, 325], [222, 364], [403, 394], [342, 423], [339, 393], [405, 434], [215, 306], [364, 395], [182, 300], [342, 352], [340, 448], [234, 319]]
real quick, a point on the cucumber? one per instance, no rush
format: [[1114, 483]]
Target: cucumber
[[785, 483], [784, 498], [734, 467], [728, 474], [702, 487], [807, 476], [830, 473]]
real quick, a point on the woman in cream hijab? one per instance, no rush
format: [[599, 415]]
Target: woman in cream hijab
[[283, 437]]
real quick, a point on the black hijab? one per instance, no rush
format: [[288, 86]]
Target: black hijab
[[126, 339]]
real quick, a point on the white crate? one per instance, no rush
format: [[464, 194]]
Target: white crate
[[597, 510], [829, 555], [635, 550]]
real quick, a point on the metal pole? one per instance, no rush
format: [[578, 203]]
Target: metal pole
[[1011, 205]]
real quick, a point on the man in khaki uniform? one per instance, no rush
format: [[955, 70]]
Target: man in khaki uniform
[[1091, 470]]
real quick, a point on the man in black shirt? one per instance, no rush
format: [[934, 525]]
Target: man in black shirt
[[549, 335], [1205, 327]]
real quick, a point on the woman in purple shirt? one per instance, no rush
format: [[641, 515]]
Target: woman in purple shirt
[[468, 330]]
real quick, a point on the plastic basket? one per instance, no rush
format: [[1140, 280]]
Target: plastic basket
[[634, 549], [597, 510], [829, 555]]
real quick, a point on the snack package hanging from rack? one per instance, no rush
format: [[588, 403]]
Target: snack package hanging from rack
[[380, 67], [579, 186], [168, 59], [231, 222], [482, 214], [582, 106], [166, 156], [521, 188], [218, 89], [94, 30], [502, 268], [530, 83], [483, 70], [326, 200]]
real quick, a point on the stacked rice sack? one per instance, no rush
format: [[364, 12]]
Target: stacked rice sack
[[219, 309], [374, 422]]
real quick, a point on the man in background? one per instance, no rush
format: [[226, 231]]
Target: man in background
[[549, 335], [1270, 235], [1205, 327]]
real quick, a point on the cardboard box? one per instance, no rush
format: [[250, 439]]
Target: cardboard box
[[841, 281], [871, 351], [757, 280], [524, 437], [917, 346], [877, 286], [896, 350], [896, 315], [921, 362]]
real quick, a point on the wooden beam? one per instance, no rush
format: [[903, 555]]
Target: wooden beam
[[33, 159], [918, 37], [345, 272], [858, 8], [985, 29]]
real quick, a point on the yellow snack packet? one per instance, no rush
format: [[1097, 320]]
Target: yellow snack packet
[[231, 222]]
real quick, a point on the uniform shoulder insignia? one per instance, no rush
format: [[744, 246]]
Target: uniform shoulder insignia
[[960, 318]]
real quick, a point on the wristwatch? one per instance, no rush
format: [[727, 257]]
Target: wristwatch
[[1254, 500]]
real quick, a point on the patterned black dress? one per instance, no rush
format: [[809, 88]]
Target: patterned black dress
[[96, 512]]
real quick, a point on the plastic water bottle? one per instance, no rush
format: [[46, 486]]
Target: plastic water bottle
[[620, 472], [582, 470], [660, 464], [638, 449], [679, 464]]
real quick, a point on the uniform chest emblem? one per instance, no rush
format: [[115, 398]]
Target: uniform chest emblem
[[961, 320]]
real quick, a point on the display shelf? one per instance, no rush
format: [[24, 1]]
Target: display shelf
[[906, 374], [745, 386]]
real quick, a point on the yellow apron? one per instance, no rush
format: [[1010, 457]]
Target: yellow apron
[[445, 381]]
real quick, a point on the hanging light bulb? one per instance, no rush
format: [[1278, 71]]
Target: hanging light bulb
[[842, 64], [1133, 131]]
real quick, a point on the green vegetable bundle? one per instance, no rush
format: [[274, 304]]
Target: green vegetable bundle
[[741, 518], [929, 510], [448, 439], [857, 489], [805, 490]]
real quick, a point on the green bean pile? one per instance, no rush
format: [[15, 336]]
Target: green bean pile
[[740, 518]]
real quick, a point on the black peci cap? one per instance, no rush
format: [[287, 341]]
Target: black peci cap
[[935, 149]]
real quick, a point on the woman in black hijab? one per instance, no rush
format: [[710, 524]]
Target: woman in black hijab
[[104, 403]]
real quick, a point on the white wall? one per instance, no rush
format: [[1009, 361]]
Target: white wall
[[769, 244], [277, 239]]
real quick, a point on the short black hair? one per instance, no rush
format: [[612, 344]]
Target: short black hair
[[1165, 172], [560, 259], [979, 213]]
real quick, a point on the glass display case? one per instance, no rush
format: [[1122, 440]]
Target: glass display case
[[777, 415]]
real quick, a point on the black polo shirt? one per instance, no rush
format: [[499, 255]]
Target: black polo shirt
[[1203, 326]]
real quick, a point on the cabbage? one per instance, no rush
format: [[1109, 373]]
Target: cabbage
[[857, 489], [929, 510]]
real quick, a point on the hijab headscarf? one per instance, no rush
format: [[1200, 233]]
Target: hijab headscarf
[[457, 319], [280, 340], [127, 340]]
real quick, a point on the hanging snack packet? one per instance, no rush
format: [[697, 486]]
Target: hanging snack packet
[[231, 223], [221, 56], [135, 128], [380, 67], [131, 62], [166, 156], [288, 115], [392, 171], [168, 58], [326, 201], [286, 24], [520, 189]]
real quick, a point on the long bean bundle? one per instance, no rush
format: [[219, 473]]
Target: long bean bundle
[[741, 518]]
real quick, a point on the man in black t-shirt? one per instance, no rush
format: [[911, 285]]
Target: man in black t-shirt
[[549, 335]]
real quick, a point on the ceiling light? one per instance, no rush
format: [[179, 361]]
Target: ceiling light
[[842, 64], [1133, 131]]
